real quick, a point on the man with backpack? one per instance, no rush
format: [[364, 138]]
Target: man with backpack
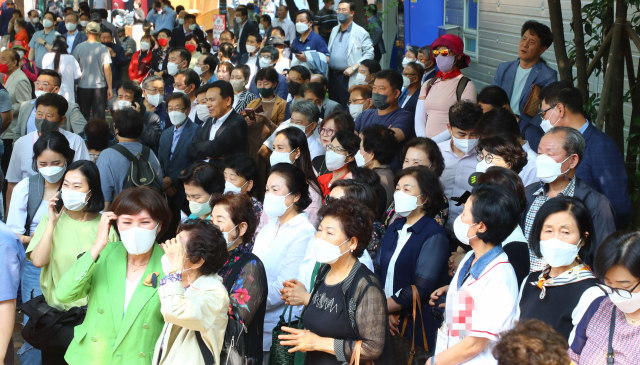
[[128, 163]]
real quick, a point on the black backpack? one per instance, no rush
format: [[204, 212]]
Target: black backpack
[[140, 171]]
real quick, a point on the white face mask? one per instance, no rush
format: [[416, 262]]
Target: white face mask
[[181, 21], [405, 203], [154, 100], [334, 161], [84, 23], [238, 85], [558, 253], [202, 111], [200, 209], [238, 20], [172, 68], [461, 230], [280, 157], [35, 20], [274, 205], [423, 64], [74, 200], [138, 240], [198, 70], [47, 23], [179, 91], [405, 81], [39, 93], [546, 123], [145, 46], [548, 170], [355, 110], [483, 166], [53, 174], [250, 49], [361, 79], [300, 127], [264, 63], [177, 118], [627, 305], [261, 27], [406, 61], [360, 161], [123, 104], [327, 252], [193, 26], [226, 237], [71, 26], [302, 27], [230, 188], [21, 54], [464, 145]]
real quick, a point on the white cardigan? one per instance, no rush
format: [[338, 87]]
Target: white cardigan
[[203, 307]]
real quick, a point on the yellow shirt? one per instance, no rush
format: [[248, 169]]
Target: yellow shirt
[[70, 239]]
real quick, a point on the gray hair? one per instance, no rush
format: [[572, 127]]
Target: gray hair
[[150, 79], [574, 143], [75, 15], [307, 108]]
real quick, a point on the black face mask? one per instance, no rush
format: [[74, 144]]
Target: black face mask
[[45, 126], [380, 101], [293, 87]]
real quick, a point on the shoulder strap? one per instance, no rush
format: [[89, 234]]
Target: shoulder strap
[[124, 151], [610, 352], [146, 152], [524, 130], [462, 84], [429, 86], [34, 199], [206, 353]]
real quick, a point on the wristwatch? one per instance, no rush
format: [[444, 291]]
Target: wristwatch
[[433, 360], [354, 67]]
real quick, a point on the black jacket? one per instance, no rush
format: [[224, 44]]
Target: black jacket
[[177, 37], [249, 27], [229, 139]]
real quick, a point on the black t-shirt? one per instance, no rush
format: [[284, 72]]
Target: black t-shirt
[[326, 316]]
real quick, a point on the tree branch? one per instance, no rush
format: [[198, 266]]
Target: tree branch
[[581, 57], [557, 28]]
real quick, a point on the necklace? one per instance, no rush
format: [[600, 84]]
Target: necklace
[[630, 320], [138, 266]]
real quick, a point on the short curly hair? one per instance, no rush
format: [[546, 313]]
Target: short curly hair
[[531, 342], [240, 209], [205, 242], [381, 141], [356, 220], [507, 147], [430, 188], [430, 148]]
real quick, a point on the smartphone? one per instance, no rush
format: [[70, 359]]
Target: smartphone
[[259, 109], [59, 205], [440, 300], [249, 112], [295, 50]]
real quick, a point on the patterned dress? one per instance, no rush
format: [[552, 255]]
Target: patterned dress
[[241, 100]]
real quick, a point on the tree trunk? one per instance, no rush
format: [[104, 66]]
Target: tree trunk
[[615, 122], [633, 144], [292, 8], [359, 17], [581, 58], [560, 50], [314, 6], [608, 26]]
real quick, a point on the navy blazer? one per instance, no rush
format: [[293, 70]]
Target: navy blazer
[[249, 27], [410, 106], [230, 138], [81, 37], [282, 90], [177, 37], [171, 167], [602, 167], [541, 75], [117, 63]]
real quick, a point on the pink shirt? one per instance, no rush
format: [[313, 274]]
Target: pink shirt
[[432, 114]]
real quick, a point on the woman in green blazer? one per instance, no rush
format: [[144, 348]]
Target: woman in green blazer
[[123, 319]]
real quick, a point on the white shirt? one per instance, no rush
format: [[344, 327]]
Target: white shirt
[[69, 69], [129, 289], [403, 237], [529, 171], [281, 250], [288, 26], [17, 216], [494, 294], [20, 166], [314, 142], [516, 236], [192, 113], [518, 86], [218, 123], [455, 177], [282, 64]]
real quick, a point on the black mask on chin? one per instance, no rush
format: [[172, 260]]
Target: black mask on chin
[[45, 126]]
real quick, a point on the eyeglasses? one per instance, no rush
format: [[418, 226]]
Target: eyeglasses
[[43, 84], [488, 157], [624, 293], [181, 110], [336, 149], [157, 91], [443, 52], [326, 131], [543, 112], [354, 100]]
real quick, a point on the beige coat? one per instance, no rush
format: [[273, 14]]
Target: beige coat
[[19, 89], [203, 307]]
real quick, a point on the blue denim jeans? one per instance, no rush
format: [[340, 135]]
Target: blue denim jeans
[[30, 282]]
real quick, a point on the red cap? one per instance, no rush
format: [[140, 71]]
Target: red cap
[[454, 43]]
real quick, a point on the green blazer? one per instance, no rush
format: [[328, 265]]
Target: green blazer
[[108, 335]]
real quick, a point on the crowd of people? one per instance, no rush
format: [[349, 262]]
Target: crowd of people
[[186, 213]]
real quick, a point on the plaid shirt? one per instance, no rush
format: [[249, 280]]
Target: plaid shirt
[[129, 45], [536, 263]]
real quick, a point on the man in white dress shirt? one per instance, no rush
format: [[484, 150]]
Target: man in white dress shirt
[[285, 23]]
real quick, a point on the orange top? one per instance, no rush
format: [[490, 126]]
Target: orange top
[[24, 38], [325, 182]]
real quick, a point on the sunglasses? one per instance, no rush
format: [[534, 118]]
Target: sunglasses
[[443, 52]]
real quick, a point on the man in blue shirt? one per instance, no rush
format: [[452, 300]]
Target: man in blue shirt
[[309, 41], [12, 260], [162, 16], [386, 91]]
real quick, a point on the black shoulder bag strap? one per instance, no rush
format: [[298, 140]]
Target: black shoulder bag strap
[[124, 152], [462, 84], [610, 354], [206, 353], [34, 199]]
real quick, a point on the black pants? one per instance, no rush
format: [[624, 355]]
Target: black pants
[[93, 102], [339, 87], [377, 55]]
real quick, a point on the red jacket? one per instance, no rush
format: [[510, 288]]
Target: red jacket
[[139, 70]]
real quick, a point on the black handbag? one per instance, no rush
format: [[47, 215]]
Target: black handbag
[[405, 350], [49, 329], [234, 339], [278, 354]]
